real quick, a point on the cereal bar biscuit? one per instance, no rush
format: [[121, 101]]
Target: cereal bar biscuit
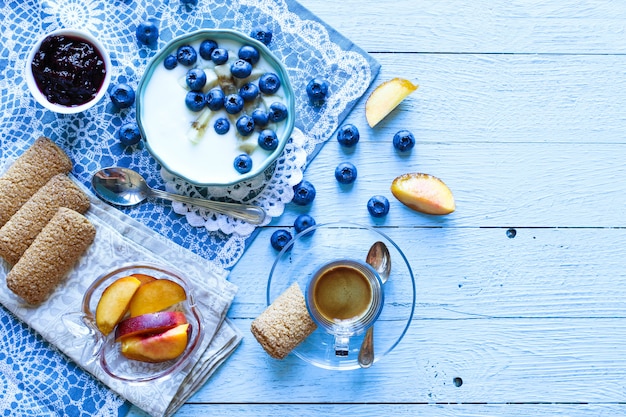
[[284, 324], [23, 227], [53, 253], [33, 169]]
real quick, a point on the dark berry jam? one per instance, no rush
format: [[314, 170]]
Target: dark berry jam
[[68, 70]]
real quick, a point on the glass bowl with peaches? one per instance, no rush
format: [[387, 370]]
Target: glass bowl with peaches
[[145, 321]]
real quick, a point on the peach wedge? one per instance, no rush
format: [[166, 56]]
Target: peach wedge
[[423, 193], [156, 348], [114, 303], [385, 98], [150, 323], [156, 296]]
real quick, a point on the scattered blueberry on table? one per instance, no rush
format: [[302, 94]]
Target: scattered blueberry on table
[[403, 140], [348, 135], [316, 90], [303, 193], [280, 238], [122, 95], [378, 206], [147, 33], [345, 173], [303, 222], [262, 35], [129, 134]]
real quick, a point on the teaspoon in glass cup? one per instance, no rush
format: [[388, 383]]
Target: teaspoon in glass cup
[[125, 187], [378, 258]]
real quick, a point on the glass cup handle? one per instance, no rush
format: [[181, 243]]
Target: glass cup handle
[[341, 345]]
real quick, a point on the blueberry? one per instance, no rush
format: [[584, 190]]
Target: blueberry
[[147, 33], [277, 113], [243, 163], [268, 140], [170, 62], [129, 134], [189, 3], [280, 239], [245, 125], [303, 222], [262, 35], [122, 95], [303, 193], [215, 98], [206, 48], [345, 173], [249, 53], [260, 117], [233, 103], [222, 126], [186, 55], [348, 135], [195, 100], [378, 206], [269, 83], [317, 90], [403, 140], [196, 79], [249, 91], [240, 68], [219, 56]]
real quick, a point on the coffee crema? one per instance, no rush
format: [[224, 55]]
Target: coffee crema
[[342, 293]]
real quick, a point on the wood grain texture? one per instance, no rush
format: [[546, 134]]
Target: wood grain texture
[[520, 26], [520, 111]]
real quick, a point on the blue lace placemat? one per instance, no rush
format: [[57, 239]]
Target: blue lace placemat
[[304, 44]]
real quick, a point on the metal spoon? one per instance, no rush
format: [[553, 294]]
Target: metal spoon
[[125, 187], [378, 258]]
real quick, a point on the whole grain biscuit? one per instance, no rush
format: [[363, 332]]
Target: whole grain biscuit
[[34, 168], [23, 227], [51, 256], [284, 324]]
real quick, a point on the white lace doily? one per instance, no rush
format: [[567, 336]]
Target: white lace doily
[[271, 191]]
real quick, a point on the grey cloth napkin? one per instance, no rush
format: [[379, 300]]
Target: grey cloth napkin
[[119, 240]]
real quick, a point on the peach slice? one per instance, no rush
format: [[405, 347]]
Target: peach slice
[[160, 347], [149, 323], [385, 98], [144, 278], [156, 296], [114, 303], [423, 193]]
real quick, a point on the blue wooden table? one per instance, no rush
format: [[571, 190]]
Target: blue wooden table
[[521, 111]]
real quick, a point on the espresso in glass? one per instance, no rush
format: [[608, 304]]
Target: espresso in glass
[[342, 292]]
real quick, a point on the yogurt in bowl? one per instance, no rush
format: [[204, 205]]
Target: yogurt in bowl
[[183, 119]]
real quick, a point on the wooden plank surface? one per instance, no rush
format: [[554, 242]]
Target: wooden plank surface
[[520, 111]]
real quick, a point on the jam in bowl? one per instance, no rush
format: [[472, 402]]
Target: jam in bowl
[[68, 71]]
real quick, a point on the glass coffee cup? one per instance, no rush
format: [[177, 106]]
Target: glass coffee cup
[[344, 297]]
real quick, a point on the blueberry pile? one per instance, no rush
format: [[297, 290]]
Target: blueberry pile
[[221, 79]]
